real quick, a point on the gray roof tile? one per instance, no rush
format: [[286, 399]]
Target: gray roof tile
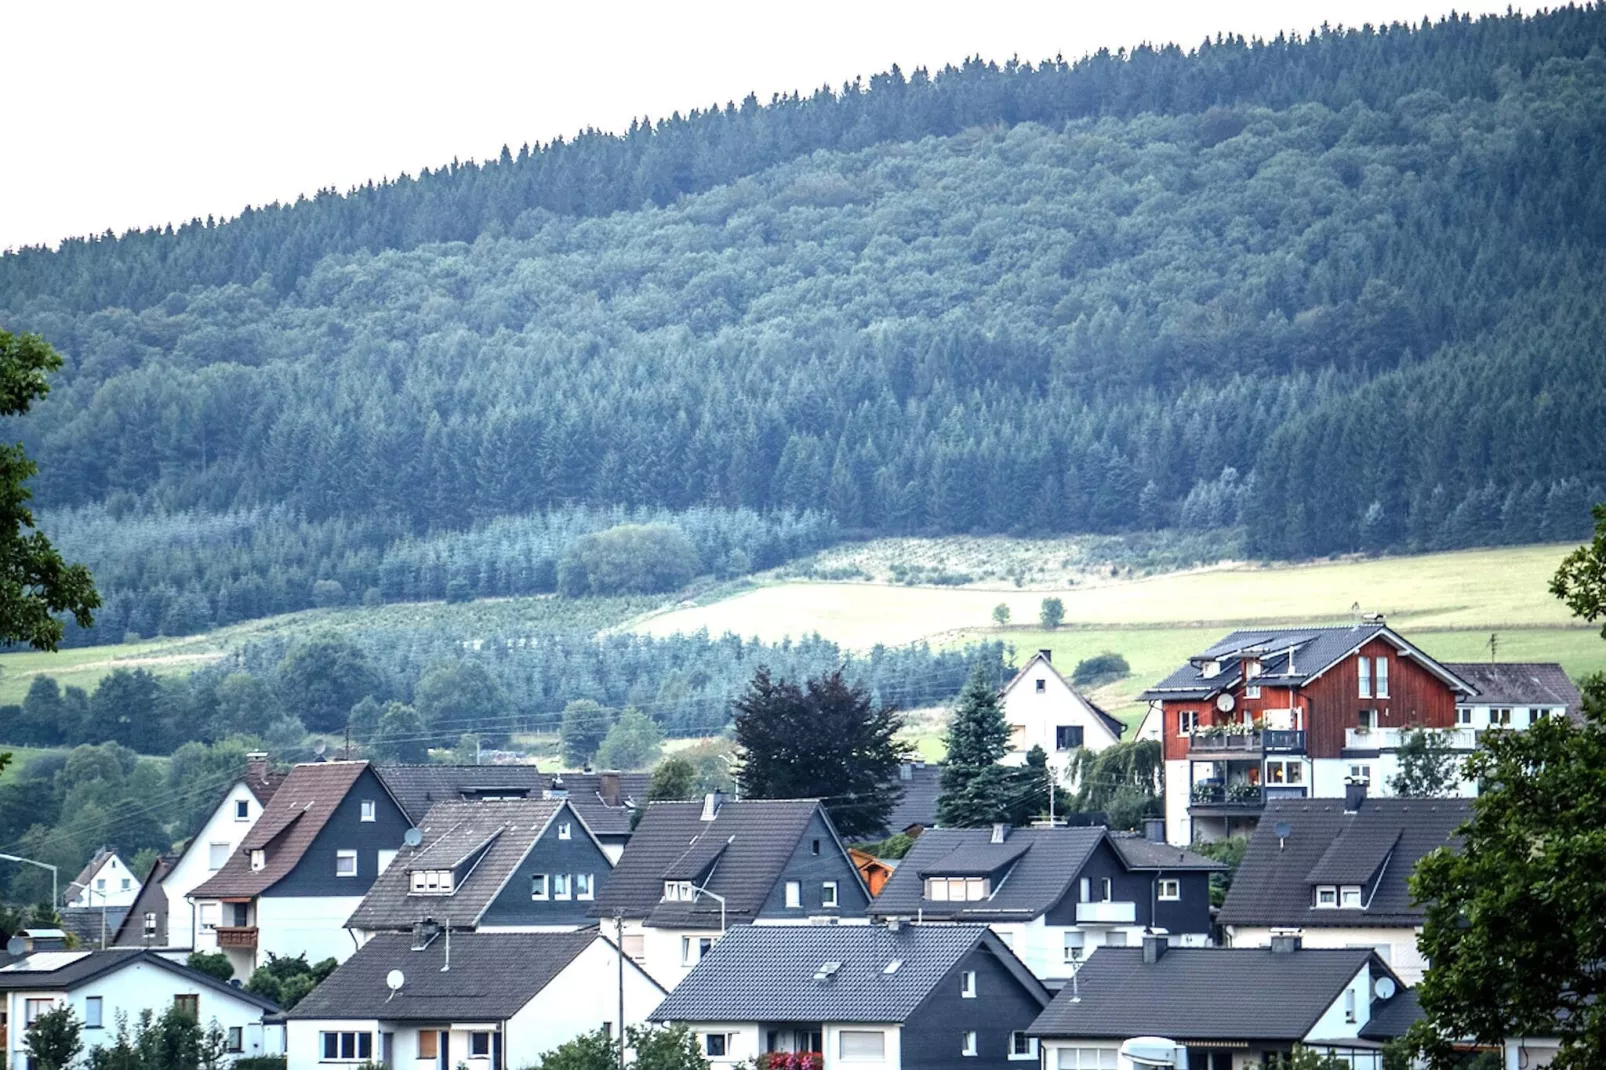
[[1138, 852], [1046, 862], [1520, 683], [922, 784], [87, 966], [606, 812]]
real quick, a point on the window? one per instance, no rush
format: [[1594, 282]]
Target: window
[[566, 830], [1107, 888], [585, 886], [347, 1047], [715, 1045], [693, 948], [861, 1044], [369, 812], [209, 915], [1349, 897], [33, 1008], [1170, 890], [1284, 771], [123, 885], [1463, 715], [242, 914], [967, 1043], [1187, 722], [679, 892], [1382, 677], [242, 810], [1360, 772], [430, 882], [1115, 938], [259, 860], [1251, 691], [345, 863], [1074, 942], [235, 1041], [967, 984], [92, 1012], [1022, 1046], [794, 893], [100, 884], [1042, 685], [828, 894], [1365, 719], [1363, 668], [1068, 736], [429, 1044], [1086, 1059], [150, 924], [562, 886], [1326, 896], [1086, 890], [188, 1003], [1349, 1004], [479, 1045], [1500, 718], [216, 855], [538, 886], [956, 889]]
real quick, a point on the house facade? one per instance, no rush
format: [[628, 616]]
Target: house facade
[[101, 985], [105, 882], [1514, 694], [328, 832], [938, 997], [1042, 709], [485, 1001], [1053, 896], [1285, 713], [693, 871]]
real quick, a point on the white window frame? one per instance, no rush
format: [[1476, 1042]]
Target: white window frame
[[1363, 673], [565, 830], [259, 860], [1463, 715], [1170, 890], [210, 915], [585, 886], [794, 893], [33, 1008], [1015, 1037], [967, 1044], [1292, 771], [1380, 667], [242, 810], [212, 850], [1500, 717], [540, 887], [1187, 722], [562, 886], [341, 858], [1349, 897], [828, 896], [475, 1038], [1361, 771], [842, 1038], [94, 1012], [370, 810], [1329, 892], [1251, 691], [1075, 945], [340, 1035], [967, 984], [1085, 1059]]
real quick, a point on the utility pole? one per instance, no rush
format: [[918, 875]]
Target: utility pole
[[1494, 643], [619, 946]]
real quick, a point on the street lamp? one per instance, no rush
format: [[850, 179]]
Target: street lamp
[[716, 895], [54, 890]]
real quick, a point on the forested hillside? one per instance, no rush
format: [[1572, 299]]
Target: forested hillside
[[1343, 290]]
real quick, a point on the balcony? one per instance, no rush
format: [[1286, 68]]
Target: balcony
[[1227, 799], [242, 936], [1221, 741], [1106, 913], [1391, 738]]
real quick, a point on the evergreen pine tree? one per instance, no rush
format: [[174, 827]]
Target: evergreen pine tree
[[976, 790]]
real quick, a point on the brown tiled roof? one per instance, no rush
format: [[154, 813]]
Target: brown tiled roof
[[298, 811]]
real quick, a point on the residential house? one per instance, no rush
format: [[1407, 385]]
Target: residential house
[[1042, 709], [1336, 870], [1226, 1009], [605, 801], [872, 996], [92, 927], [145, 923], [1514, 694], [102, 985], [694, 870], [513, 864], [328, 831], [1052, 895], [484, 1001], [106, 881], [174, 924], [873, 870], [1275, 713], [916, 809]]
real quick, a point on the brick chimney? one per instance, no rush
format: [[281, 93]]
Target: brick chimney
[[1048, 656], [1354, 794], [256, 767], [608, 788]]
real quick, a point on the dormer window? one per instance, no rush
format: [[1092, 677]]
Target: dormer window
[[1349, 897], [1326, 896], [679, 892], [431, 881], [956, 889], [259, 860], [1210, 668], [1251, 668]]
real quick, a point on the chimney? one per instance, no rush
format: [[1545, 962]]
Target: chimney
[[1354, 794], [1154, 945], [906, 771], [1285, 943], [256, 766], [1000, 832], [608, 788], [1048, 656], [711, 804], [1154, 829]]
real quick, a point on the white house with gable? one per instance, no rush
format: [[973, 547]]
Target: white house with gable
[[1042, 709], [105, 882]]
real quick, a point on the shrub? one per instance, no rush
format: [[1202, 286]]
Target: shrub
[[628, 559], [1100, 669]]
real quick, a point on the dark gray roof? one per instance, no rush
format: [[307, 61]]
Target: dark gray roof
[[605, 811], [74, 968], [492, 975], [1520, 683], [1047, 861], [768, 973], [501, 832], [1202, 993], [1392, 1017], [85, 923], [1273, 886], [753, 838], [1314, 650], [922, 783], [1138, 852]]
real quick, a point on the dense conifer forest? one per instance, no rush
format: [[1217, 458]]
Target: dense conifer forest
[[1342, 290]]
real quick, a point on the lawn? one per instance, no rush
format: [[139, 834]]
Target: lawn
[[84, 666]]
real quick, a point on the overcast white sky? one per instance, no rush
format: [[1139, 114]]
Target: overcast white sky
[[118, 115]]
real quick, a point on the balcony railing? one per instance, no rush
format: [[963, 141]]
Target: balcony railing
[[1256, 741], [1237, 796], [1108, 912], [237, 936], [1393, 738]]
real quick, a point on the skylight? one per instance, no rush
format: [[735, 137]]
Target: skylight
[[892, 967], [827, 970]]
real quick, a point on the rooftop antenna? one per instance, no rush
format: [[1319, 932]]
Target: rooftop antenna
[[318, 748]]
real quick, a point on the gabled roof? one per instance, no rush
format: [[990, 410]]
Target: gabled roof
[[922, 784], [753, 839], [1203, 993], [1045, 863], [63, 971], [605, 812], [292, 819], [1379, 845], [773, 973], [87, 874], [87, 924], [1520, 683], [1289, 657], [1115, 725], [153, 897], [492, 976], [504, 831], [1140, 853], [1392, 1017]]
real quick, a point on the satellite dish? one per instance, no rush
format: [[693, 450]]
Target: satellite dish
[[1385, 988], [16, 946], [319, 747], [1225, 702], [412, 837], [1282, 829], [394, 980]]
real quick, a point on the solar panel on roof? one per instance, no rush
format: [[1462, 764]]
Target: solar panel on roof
[[45, 962]]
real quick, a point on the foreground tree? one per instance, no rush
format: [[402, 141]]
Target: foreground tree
[[976, 790], [35, 583], [54, 1039], [1122, 781], [826, 740], [1429, 766]]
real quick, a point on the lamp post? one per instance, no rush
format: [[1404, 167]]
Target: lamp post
[[54, 889], [103, 904], [716, 895]]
